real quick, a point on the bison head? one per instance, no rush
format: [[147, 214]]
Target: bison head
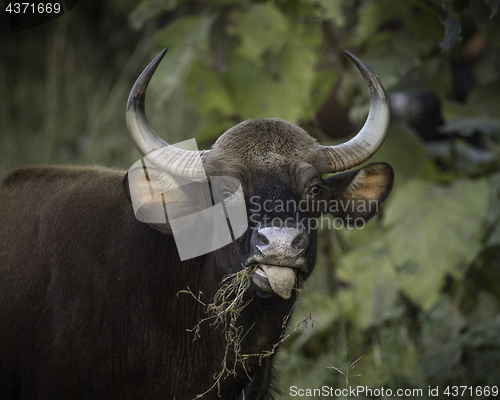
[[277, 170]]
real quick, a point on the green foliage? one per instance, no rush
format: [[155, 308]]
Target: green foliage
[[452, 28], [187, 38], [260, 93], [419, 19], [416, 293], [269, 30], [329, 10], [149, 9], [407, 253], [242, 60]]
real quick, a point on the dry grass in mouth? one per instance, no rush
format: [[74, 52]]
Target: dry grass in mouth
[[228, 300], [225, 309]]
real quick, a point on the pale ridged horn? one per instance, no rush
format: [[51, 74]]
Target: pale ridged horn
[[362, 146], [185, 163]]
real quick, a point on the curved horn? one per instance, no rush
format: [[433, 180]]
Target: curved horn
[[177, 161], [362, 146]]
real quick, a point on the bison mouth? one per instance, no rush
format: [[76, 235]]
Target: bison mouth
[[278, 279]]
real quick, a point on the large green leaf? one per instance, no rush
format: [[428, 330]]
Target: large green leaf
[[392, 57], [419, 19], [330, 10], [187, 39], [484, 99], [429, 231], [452, 27], [281, 90], [373, 283], [452, 32], [208, 90], [434, 231], [260, 29]]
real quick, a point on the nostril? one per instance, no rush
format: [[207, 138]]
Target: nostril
[[279, 242], [300, 242], [262, 240]]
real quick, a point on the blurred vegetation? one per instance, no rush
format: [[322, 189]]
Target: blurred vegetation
[[412, 300]]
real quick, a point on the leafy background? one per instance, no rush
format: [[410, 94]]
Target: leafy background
[[410, 301]]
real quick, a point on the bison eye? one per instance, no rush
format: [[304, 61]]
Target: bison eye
[[314, 191], [226, 195]]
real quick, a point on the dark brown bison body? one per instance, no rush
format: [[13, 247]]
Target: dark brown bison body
[[89, 303], [89, 296]]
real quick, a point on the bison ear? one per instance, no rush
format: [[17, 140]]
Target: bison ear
[[358, 194]]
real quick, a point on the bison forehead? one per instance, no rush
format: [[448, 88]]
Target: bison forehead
[[266, 142]]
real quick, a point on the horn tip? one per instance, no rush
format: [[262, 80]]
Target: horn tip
[[162, 53], [350, 55], [159, 57], [356, 60]]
